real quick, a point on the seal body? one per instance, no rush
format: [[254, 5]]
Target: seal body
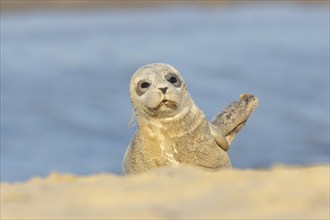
[[172, 130]]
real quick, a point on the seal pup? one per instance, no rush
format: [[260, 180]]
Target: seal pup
[[172, 130]]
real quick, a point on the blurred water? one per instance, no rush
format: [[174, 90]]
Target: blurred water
[[64, 81]]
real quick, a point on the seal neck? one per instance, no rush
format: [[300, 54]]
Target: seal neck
[[186, 121]]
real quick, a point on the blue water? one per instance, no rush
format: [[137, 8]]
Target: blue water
[[64, 81]]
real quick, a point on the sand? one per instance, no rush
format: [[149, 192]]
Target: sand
[[173, 193]]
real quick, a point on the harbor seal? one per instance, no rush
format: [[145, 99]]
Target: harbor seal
[[172, 130]]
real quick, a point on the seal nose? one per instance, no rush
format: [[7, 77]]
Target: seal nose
[[163, 89]]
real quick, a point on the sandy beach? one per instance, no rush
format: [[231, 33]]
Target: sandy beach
[[173, 193]]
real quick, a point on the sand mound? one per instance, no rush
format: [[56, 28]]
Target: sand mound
[[172, 193]]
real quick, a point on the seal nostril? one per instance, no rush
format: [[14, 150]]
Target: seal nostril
[[163, 89]]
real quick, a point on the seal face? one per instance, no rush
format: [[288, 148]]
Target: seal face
[[172, 130], [156, 91]]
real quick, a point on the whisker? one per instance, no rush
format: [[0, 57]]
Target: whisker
[[133, 120]]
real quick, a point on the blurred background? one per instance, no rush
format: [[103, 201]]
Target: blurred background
[[66, 66]]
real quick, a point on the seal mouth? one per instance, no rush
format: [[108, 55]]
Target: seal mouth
[[166, 103], [165, 107]]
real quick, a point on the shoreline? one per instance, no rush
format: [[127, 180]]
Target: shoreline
[[26, 5]]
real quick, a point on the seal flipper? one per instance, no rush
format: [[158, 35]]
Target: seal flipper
[[233, 117], [219, 137]]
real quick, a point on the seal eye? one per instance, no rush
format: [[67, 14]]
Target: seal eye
[[145, 85], [173, 79], [142, 87]]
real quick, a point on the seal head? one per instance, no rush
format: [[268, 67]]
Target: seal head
[[157, 91]]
